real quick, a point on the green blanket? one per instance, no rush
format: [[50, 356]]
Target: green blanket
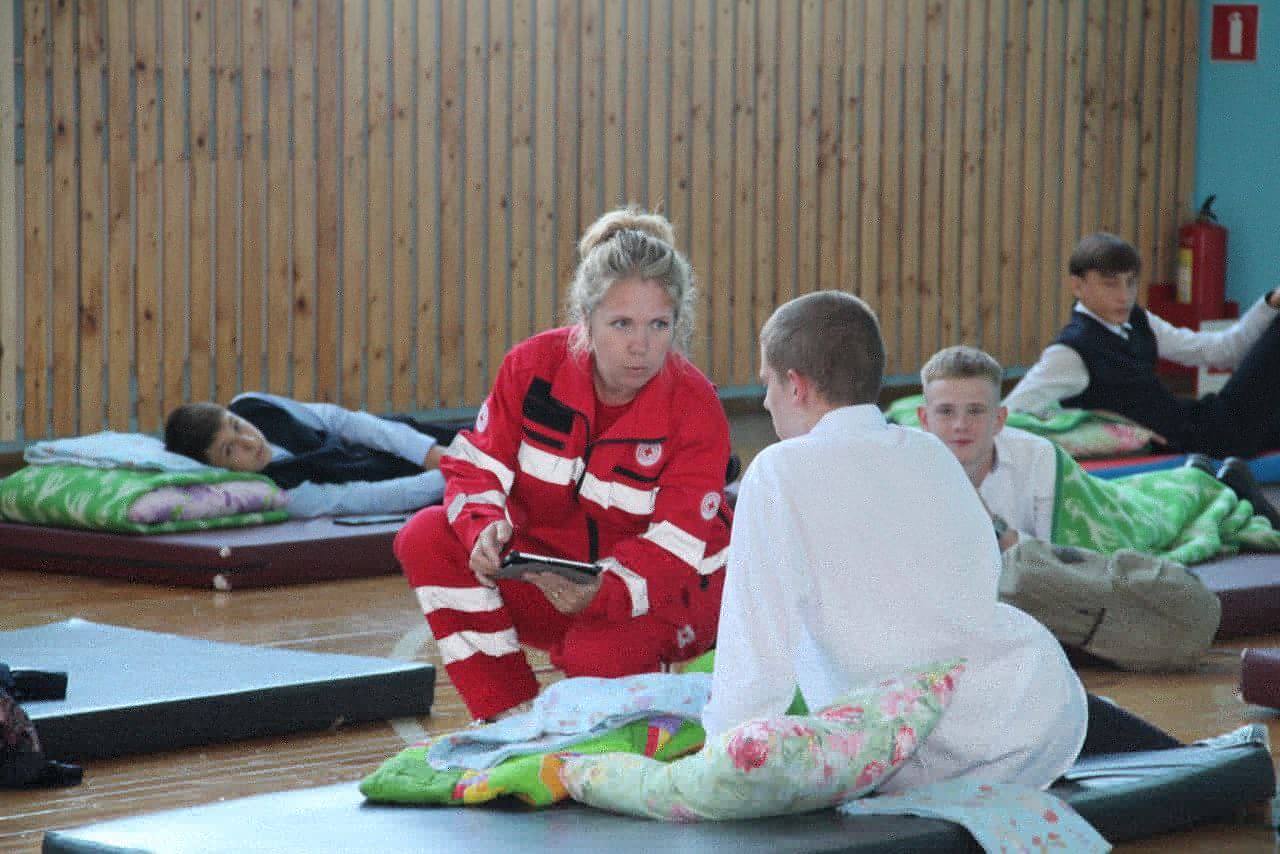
[[99, 499], [1182, 514], [407, 778]]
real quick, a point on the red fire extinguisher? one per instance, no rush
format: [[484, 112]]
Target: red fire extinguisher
[[1202, 264]]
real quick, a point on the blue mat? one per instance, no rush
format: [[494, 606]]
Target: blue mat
[[1266, 469]]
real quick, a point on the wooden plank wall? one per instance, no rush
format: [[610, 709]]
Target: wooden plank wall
[[369, 201]]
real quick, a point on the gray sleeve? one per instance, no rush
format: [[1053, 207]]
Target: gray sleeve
[[397, 495]]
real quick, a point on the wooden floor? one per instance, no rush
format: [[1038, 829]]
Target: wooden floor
[[380, 617]]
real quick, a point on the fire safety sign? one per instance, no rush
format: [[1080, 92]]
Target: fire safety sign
[[1235, 32]]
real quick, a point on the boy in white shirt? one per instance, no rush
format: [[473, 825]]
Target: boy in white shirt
[[1014, 471], [1105, 359], [859, 550], [328, 459]]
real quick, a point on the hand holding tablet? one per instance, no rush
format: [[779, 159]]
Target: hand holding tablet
[[517, 564]]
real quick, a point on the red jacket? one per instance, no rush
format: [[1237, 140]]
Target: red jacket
[[646, 498]]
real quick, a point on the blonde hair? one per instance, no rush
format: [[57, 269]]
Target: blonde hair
[[630, 243], [833, 339], [962, 363]]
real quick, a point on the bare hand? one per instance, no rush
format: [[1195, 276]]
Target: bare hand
[[1008, 540], [432, 460], [565, 596], [486, 555]]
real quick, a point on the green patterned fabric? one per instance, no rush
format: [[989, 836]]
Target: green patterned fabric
[[1081, 432], [407, 778], [1182, 514], [99, 499]]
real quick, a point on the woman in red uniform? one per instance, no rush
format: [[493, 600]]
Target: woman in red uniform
[[598, 442]]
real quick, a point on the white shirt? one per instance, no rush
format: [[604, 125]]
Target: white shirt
[[1020, 486], [1060, 373], [860, 550], [398, 495]]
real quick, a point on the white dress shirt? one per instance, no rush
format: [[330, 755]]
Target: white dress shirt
[[1060, 372], [860, 550], [1021, 485]]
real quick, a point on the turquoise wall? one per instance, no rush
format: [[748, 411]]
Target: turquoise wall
[[1238, 153]]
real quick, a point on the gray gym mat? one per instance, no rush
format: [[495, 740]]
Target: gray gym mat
[[1124, 795], [132, 691]]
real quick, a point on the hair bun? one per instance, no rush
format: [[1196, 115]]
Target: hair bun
[[631, 217]]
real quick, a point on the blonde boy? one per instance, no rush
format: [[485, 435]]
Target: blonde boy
[[1013, 471]]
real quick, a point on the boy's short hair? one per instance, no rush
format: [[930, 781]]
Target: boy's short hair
[[961, 363], [1104, 252], [833, 339], [189, 429]]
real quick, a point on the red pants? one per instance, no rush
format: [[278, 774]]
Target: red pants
[[479, 630]]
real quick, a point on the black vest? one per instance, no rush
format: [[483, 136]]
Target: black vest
[[317, 456], [1122, 376]]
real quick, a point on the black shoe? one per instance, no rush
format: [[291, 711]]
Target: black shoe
[[1206, 464], [1235, 474]]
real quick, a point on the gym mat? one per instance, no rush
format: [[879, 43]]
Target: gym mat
[[1248, 585], [133, 691], [1124, 795], [298, 550]]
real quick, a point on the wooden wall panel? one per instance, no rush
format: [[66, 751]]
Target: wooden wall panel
[[149, 285], [120, 271], [202, 242], [35, 220], [279, 281], [174, 163], [67, 350], [305, 249], [371, 201], [403, 175], [353, 229], [449, 363], [253, 183], [92, 238], [427, 314], [378, 294], [741, 353], [227, 205], [328, 168], [9, 284]]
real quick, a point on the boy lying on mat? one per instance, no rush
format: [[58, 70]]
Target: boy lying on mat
[[329, 459], [1032, 488]]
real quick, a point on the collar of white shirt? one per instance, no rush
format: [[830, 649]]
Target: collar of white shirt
[[865, 416], [1122, 329]]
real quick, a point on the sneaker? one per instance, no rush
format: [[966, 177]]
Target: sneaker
[[1235, 473]]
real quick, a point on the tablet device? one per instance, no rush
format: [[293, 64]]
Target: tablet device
[[516, 564]]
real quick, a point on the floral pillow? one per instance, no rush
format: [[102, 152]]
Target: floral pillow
[[776, 766]]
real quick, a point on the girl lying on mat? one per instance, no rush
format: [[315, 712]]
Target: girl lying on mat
[[1033, 489], [330, 460]]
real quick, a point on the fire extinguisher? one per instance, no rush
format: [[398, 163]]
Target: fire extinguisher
[[1202, 264]]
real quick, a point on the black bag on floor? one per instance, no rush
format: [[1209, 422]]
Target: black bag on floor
[[22, 763]]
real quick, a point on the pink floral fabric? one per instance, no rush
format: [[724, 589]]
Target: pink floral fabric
[[780, 765]]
